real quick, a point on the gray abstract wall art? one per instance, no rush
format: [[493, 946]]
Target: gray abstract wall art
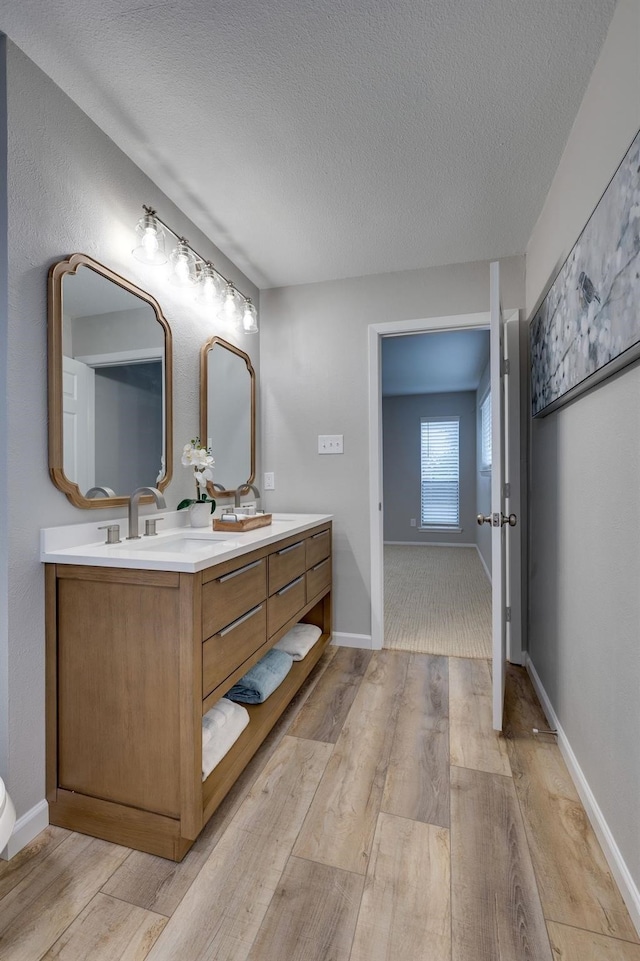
[[588, 325]]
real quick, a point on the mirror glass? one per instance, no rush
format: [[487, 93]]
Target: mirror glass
[[227, 412], [109, 369]]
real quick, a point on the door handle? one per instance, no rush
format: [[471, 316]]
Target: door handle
[[511, 520]]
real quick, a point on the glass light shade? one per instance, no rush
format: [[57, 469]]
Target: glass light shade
[[248, 323], [229, 310], [183, 266], [208, 287], [150, 249]]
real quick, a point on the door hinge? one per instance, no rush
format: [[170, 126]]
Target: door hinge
[[506, 366], [507, 614], [507, 490]]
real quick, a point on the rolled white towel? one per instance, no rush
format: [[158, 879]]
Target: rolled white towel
[[299, 640], [221, 728]]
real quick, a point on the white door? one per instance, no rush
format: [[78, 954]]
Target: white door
[[499, 522], [78, 404]]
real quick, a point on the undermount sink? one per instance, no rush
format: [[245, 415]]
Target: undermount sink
[[186, 543]]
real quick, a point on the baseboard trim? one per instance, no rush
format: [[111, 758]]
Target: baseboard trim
[[482, 560], [424, 544], [26, 829], [352, 640], [619, 869]]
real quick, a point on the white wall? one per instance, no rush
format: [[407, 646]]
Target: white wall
[[314, 356], [401, 418], [585, 481], [70, 189], [483, 478]]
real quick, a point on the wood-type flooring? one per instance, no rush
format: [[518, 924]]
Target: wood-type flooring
[[382, 820]]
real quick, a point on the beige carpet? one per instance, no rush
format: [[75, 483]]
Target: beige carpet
[[437, 601]]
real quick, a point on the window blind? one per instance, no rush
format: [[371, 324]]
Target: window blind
[[440, 472], [485, 417]]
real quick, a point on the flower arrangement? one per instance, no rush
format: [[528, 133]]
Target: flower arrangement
[[195, 455]]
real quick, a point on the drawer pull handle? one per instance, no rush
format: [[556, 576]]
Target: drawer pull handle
[[241, 620], [293, 547], [321, 564], [319, 534], [289, 586], [241, 570]]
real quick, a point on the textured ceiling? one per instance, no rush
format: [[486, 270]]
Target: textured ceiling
[[434, 363], [318, 139]]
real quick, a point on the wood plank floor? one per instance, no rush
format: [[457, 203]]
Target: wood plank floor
[[381, 820]]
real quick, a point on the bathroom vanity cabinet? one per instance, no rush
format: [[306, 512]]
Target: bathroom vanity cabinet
[[135, 657]]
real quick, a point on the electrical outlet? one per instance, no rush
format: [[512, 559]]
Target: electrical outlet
[[413, 522], [269, 481], [330, 443]]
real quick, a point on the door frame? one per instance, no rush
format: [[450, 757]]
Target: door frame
[[376, 332]]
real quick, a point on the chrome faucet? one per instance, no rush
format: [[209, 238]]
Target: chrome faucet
[[244, 489], [134, 502], [100, 492]]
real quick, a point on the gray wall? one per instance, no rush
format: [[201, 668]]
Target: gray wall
[[120, 330], [4, 422], [128, 419], [483, 478], [70, 189], [315, 370], [584, 482], [401, 465]]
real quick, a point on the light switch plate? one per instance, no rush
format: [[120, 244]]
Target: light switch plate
[[330, 443]]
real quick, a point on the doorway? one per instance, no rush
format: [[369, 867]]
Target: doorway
[[377, 332], [436, 456]]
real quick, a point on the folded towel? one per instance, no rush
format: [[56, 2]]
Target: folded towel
[[299, 640], [215, 719], [262, 679], [221, 728]]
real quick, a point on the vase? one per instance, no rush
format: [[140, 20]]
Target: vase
[[200, 514]]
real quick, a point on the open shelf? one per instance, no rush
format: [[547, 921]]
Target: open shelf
[[262, 719]]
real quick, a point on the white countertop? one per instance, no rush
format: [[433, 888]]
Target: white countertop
[[168, 550]]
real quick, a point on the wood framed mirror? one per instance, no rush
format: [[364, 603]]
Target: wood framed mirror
[[228, 413], [110, 375]]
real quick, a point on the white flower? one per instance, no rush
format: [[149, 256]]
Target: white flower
[[200, 458], [202, 476]]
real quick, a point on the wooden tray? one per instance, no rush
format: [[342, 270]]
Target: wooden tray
[[248, 522]]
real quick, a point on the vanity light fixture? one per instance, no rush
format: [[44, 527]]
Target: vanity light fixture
[[150, 250], [209, 286], [249, 320], [230, 305], [190, 269], [184, 271]]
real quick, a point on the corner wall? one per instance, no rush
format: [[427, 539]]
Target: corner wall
[[584, 521], [70, 189], [314, 356], [4, 406]]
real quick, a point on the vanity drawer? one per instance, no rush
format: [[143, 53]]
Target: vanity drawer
[[223, 652], [285, 565], [285, 603], [227, 597], [318, 547], [318, 578]]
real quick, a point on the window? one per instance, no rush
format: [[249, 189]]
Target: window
[[440, 471], [485, 430]]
